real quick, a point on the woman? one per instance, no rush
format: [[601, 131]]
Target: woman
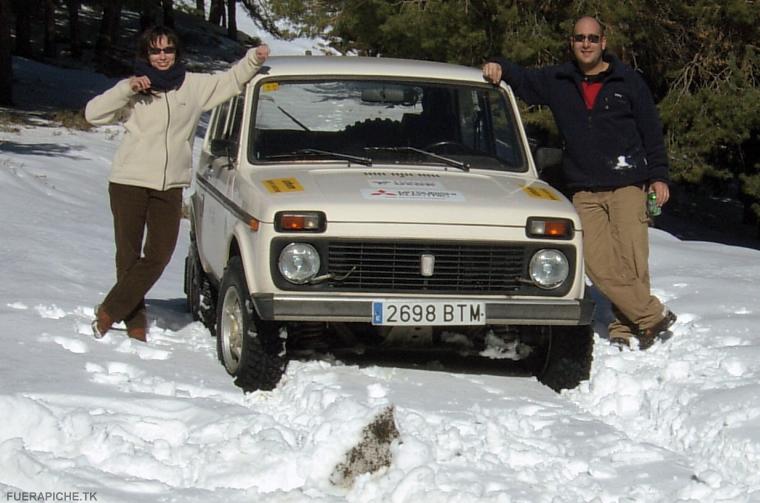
[[160, 106]]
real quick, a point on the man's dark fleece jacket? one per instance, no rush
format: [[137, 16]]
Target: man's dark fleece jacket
[[618, 142]]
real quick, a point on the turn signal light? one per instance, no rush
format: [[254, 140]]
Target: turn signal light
[[552, 228], [300, 221]]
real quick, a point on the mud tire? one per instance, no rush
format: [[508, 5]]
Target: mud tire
[[569, 354], [250, 349]]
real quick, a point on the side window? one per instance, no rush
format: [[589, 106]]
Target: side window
[[235, 118], [505, 136], [225, 128], [218, 121]]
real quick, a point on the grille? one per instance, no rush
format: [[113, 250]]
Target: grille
[[459, 268]]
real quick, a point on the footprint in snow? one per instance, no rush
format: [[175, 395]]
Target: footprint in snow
[[52, 312], [114, 373], [68, 343], [126, 345], [143, 351], [73, 345]]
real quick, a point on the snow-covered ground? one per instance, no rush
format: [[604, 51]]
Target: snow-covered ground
[[295, 47], [163, 422]]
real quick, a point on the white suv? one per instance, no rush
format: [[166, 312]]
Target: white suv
[[350, 203]]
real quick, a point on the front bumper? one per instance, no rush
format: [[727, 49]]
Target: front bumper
[[359, 309]]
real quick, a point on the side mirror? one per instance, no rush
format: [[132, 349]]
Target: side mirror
[[547, 157], [220, 147]]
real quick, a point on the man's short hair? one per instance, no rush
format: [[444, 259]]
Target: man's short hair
[[601, 25]]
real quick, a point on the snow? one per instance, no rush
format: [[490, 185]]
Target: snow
[[162, 421], [296, 47]]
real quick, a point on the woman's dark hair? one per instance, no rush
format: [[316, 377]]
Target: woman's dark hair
[[150, 37]]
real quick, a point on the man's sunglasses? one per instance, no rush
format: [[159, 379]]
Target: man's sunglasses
[[154, 51], [592, 39]]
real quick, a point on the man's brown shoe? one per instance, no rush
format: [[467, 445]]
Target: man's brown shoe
[[648, 336], [137, 333], [102, 322]]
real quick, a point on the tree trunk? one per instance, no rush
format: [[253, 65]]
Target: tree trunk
[[749, 216], [75, 42], [231, 20], [200, 8], [49, 48], [23, 10], [216, 12], [168, 8], [6, 62], [149, 13], [109, 27]]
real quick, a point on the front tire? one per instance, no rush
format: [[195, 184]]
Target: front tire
[[250, 349], [568, 358]]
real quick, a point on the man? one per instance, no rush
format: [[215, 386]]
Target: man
[[614, 154]]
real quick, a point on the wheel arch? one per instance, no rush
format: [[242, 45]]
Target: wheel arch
[[196, 237], [241, 246]]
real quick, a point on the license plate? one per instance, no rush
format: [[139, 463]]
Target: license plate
[[389, 312]]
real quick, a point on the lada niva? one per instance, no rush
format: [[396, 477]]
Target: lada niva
[[372, 203]]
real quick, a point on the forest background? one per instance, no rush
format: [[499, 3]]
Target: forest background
[[700, 58]]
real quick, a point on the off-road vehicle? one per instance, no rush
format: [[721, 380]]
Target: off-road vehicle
[[348, 203]]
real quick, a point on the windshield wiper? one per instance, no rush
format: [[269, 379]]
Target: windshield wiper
[[292, 117], [286, 113], [366, 161], [464, 166]]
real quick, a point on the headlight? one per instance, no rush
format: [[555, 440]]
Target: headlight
[[299, 262], [549, 268]]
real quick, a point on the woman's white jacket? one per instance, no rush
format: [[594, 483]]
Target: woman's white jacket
[[156, 151]]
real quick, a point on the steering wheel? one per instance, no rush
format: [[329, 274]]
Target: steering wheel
[[448, 143]]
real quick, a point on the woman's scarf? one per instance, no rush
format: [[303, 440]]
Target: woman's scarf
[[162, 80]]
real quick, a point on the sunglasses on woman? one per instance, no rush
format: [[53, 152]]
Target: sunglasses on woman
[[154, 51]]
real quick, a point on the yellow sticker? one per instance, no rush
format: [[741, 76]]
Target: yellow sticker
[[270, 86], [541, 193], [277, 185]]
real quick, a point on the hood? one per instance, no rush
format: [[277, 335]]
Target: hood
[[388, 195]]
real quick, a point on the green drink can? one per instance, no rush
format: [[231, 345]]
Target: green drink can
[[652, 209]]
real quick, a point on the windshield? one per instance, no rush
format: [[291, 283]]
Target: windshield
[[378, 120]]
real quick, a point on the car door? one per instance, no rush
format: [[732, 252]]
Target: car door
[[216, 178]]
